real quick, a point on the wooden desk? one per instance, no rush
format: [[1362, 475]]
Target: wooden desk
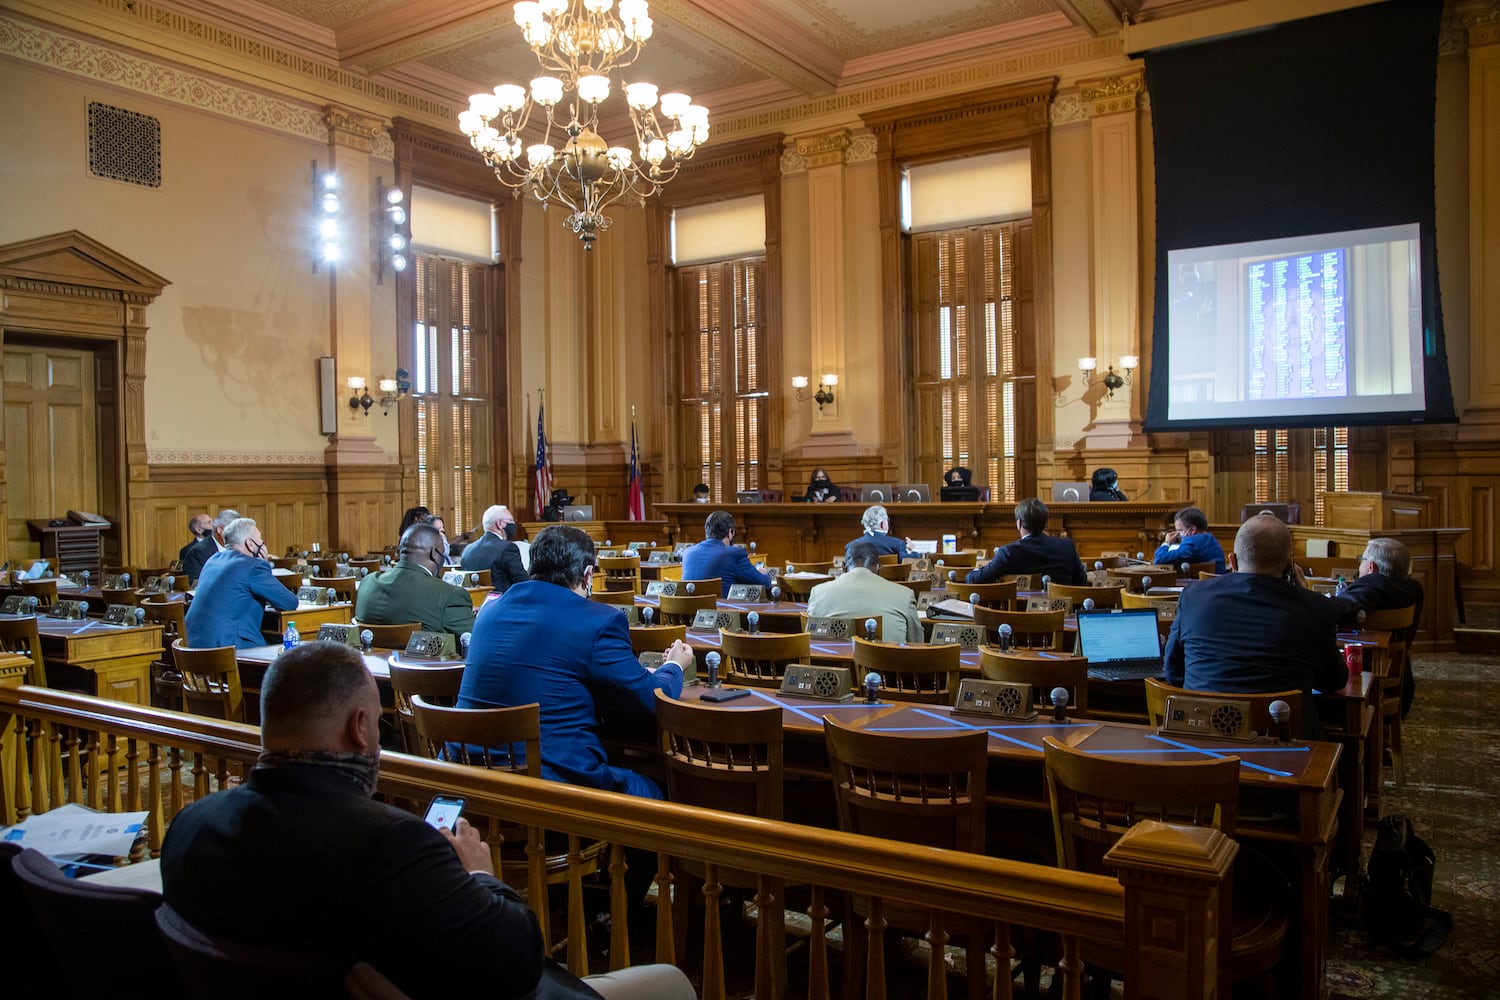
[[308, 617], [110, 661]]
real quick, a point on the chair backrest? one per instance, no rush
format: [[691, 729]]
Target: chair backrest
[[719, 757], [626, 569], [1095, 798], [761, 659], [1157, 693], [125, 956], [210, 681], [888, 558], [324, 566], [1023, 581], [438, 684], [285, 562], [655, 638], [823, 566], [172, 617], [390, 636], [895, 570], [502, 739], [120, 595], [920, 789], [1030, 629], [19, 635], [1071, 672], [1166, 608], [797, 588], [966, 559], [926, 674], [709, 585], [45, 591], [1103, 597], [22, 946], [1402, 625], [344, 585], [622, 598], [1000, 596], [214, 966], [677, 609]]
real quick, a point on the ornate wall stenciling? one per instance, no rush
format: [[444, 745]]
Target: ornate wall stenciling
[[352, 129], [861, 149], [1110, 95], [857, 148], [825, 149], [234, 457], [1067, 109], [793, 162]]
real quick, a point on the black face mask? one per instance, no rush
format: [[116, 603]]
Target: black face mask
[[512, 530]]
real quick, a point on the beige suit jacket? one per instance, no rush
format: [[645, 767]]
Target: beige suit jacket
[[861, 593]]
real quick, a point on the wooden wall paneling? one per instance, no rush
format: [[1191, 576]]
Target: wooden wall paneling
[[288, 502]]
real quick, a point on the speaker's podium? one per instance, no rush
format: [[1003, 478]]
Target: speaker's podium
[[72, 547], [1375, 511]]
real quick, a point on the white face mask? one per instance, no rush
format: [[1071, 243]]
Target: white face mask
[[700, 499]]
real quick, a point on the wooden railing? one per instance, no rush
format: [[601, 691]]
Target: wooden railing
[[1162, 910]]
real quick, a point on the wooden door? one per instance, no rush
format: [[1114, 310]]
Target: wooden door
[[50, 436]]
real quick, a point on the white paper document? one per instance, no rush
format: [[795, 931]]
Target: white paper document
[[74, 831]]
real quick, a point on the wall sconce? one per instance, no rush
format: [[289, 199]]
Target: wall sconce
[[391, 389], [361, 394], [1111, 379], [395, 234], [328, 248], [823, 396]]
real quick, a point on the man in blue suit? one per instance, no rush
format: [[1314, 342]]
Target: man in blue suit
[[1037, 552], [877, 524], [717, 555], [544, 641], [1190, 542], [495, 551], [234, 590]]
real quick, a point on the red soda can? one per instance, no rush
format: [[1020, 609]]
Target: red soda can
[[1354, 659]]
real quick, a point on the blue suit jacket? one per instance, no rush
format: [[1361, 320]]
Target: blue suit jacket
[[1201, 547], [1039, 553], [730, 563], [884, 544], [543, 643], [231, 600]]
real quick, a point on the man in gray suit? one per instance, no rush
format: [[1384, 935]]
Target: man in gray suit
[[863, 593]]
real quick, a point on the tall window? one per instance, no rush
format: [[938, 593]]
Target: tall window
[[723, 395], [1290, 464], [964, 306], [450, 388]]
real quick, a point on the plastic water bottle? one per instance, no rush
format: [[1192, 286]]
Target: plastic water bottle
[[291, 637], [1339, 589]]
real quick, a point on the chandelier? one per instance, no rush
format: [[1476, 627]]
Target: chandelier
[[580, 44]]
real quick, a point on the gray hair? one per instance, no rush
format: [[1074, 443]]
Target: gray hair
[[224, 518], [492, 516], [237, 531], [1390, 557], [872, 517]]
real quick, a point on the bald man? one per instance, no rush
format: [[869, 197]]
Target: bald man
[[495, 551], [1257, 630]]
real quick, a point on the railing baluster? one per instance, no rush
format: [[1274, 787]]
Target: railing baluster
[[174, 775], [132, 768], [578, 948], [770, 936], [875, 951], [54, 766], [666, 931], [817, 947], [536, 882], [619, 908], [91, 792], [937, 958], [713, 936], [113, 762], [1004, 955], [154, 816], [200, 777], [1070, 967], [41, 751]]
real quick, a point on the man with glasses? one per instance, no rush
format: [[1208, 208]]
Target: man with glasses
[[412, 590], [495, 551], [1384, 584], [234, 590]]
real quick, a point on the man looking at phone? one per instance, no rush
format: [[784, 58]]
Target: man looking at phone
[[234, 590], [1258, 629], [300, 858]]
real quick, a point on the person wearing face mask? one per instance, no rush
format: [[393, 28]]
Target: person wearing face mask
[[234, 590], [495, 551], [209, 544], [700, 493], [821, 489], [413, 590]]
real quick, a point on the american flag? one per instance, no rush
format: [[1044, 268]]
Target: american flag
[[637, 493], [543, 466]]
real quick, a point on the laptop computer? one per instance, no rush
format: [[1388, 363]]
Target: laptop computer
[[875, 493], [747, 496], [1070, 492], [1120, 644], [578, 512], [913, 493], [960, 494]]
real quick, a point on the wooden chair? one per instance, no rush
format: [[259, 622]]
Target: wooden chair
[[797, 588], [369, 564], [1029, 629], [965, 560], [323, 565], [1166, 608], [1103, 597], [343, 585], [291, 581], [390, 636], [135, 574], [760, 660], [925, 674], [1000, 596], [1095, 798], [126, 956], [437, 684], [824, 566], [509, 739], [19, 635], [623, 598], [1390, 672], [888, 559], [210, 681], [917, 789], [919, 586], [45, 591], [655, 638], [1023, 581], [166, 680], [285, 562], [895, 571], [728, 759], [676, 609], [1071, 672], [622, 569], [698, 588], [120, 595], [1157, 693], [1196, 570]]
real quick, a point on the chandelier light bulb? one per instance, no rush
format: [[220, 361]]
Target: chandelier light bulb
[[799, 381], [398, 215], [527, 12], [546, 90], [641, 96], [674, 104], [511, 97], [356, 383], [331, 252], [593, 88], [485, 105], [598, 6], [679, 141], [654, 152], [328, 229], [397, 241], [633, 10], [539, 155], [619, 157], [330, 181], [552, 8], [387, 385], [394, 196]]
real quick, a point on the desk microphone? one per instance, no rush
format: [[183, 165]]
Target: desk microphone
[[1359, 618], [973, 598], [1059, 704], [647, 614], [752, 548], [1088, 604], [1140, 556], [333, 596], [463, 643], [124, 579], [1184, 568], [473, 579], [608, 543], [1145, 584], [653, 544], [170, 582], [1281, 713], [85, 578], [952, 573], [870, 625], [1005, 633], [366, 640], [1098, 566], [712, 661], [1046, 583], [691, 588], [753, 620], [872, 688], [775, 595], [140, 615]]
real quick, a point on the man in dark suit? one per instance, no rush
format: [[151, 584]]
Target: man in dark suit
[[413, 590], [877, 524], [208, 545], [198, 526], [495, 551], [1257, 630], [354, 879], [718, 556], [1384, 583], [233, 592], [1037, 552]]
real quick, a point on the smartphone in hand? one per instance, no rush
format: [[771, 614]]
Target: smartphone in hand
[[444, 812]]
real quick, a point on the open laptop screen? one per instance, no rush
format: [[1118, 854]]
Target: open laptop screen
[[1119, 636]]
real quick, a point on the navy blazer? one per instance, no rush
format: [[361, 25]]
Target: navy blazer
[[1035, 554], [498, 555], [544, 643], [1377, 592], [885, 545], [193, 557], [730, 563], [230, 601]]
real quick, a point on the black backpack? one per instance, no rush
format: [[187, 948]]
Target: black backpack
[[1396, 901]]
